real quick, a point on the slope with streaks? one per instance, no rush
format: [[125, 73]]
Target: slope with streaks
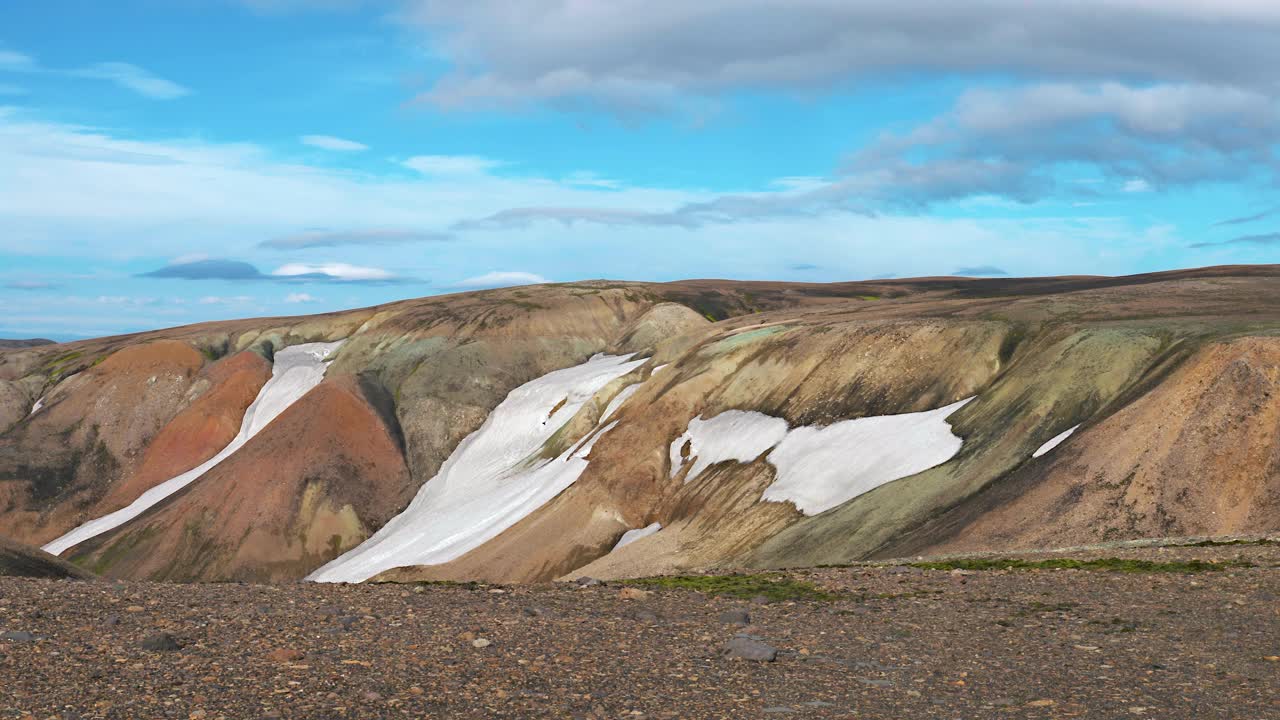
[[296, 370], [492, 480]]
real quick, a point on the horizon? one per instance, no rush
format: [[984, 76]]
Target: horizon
[[75, 338], [175, 163]]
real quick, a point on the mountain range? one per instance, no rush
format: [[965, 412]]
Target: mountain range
[[622, 429]]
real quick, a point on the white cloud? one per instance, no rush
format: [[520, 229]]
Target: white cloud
[[451, 164], [301, 298], [1136, 186], [219, 300], [16, 61], [334, 270], [134, 78], [651, 54], [498, 279], [329, 142]]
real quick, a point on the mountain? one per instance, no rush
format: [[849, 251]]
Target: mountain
[[621, 429], [33, 342]]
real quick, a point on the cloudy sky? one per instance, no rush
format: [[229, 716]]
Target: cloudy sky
[[172, 161]]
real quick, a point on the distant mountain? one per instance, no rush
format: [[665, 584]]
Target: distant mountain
[[618, 429], [34, 342]]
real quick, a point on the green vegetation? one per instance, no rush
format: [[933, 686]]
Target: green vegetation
[[868, 298], [1123, 565], [773, 586]]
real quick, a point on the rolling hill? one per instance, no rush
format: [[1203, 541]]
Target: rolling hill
[[620, 429]]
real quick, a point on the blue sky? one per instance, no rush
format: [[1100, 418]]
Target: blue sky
[[167, 162]]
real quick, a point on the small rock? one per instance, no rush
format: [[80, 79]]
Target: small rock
[[480, 643], [160, 642], [284, 655], [372, 696], [646, 615], [111, 620], [745, 648], [630, 593], [585, 581], [961, 573], [735, 617], [761, 600], [904, 570], [1041, 703], [18, 636], [197, 715], [134, 609], [415, 690]]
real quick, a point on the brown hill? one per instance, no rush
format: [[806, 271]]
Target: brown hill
[[1171, 377]]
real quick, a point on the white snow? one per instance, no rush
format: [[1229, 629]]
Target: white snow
[[631, 536], [619, 399], [822, 467], [732, 435], [658, 369], [492, 480], [1054, 442], [297, 370], [36, 408]]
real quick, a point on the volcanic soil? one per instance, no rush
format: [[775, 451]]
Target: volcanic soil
[[1122, 631]]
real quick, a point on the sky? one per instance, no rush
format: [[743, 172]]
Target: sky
[[164, 162]]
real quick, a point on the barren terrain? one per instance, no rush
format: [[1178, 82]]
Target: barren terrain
[[1189, 632]]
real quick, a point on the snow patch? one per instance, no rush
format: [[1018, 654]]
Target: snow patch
[[822, 467], [1054, 442], [492, 480], [631, 536], [36, 408], [740, 435], [296, 371], [619, 399]]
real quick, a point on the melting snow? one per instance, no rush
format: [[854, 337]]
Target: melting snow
[[36, 408], [820, 468], [619, 399], [631, 536], [732, 435], [1054, 442], [492, 480], [297, 370]]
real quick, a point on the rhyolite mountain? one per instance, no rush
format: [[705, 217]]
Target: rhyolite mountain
[[621, 429]]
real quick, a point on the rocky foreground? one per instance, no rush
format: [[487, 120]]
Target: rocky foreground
[[1188, 632]]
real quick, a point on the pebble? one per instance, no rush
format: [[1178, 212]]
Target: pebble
[[745, 648], [585, 581], [480, 643], [735, 617], [160, 642], [630, 593], [284, 655], [18, 636]]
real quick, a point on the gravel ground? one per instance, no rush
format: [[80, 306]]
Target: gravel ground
[[891, 642]]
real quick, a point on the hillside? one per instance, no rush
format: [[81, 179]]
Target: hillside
[[22, 561], [623, 429]]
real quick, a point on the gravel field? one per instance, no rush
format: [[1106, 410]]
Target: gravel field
[[1157, 641]]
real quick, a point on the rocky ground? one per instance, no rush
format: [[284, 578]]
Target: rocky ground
[[1135, 633]]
